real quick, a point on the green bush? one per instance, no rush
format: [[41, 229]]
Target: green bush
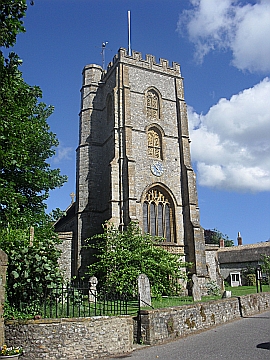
[[251, 279], [123, 256], [31, 267], [212, 288]]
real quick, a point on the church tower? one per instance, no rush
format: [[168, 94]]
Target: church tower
[[133, 158]]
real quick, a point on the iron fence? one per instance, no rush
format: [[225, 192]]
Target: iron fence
[[76, 300]]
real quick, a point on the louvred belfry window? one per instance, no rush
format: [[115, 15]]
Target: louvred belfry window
[[153, 106], [154, 144]]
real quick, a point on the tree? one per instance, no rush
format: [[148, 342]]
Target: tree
[[214, 236], [11, 24], [26, 142], [123, 256], [266, 266]]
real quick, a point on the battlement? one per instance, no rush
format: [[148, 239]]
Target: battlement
[[148, 63]]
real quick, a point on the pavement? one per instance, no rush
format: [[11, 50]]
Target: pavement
[[244, 339]]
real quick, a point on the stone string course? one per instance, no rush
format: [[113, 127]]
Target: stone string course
[[97, 337]]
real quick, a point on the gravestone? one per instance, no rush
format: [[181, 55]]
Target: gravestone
[[226, 294], [144, 290], [196, 290], [93, 281]]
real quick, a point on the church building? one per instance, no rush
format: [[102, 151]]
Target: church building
[[133, 158]]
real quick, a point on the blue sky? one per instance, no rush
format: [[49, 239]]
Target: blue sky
[[224, 50]]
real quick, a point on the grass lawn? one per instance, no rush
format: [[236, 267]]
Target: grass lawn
[[170, 301], [244, 290]]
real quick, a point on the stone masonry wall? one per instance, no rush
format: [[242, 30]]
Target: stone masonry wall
[[90, 338], [82, 338], [161, 325], [254, 303], [66, 255]]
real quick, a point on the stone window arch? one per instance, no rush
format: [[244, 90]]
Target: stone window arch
[[154, 143], [158, 214], [153, 104]]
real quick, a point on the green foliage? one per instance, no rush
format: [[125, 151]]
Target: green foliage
[[31, 267], [123, 256], [266, 266], [25, 145], [14, 313], [214, 236], [11, 24], [56, 214], [213, 288], [249, 275], [251, 279], [26, 142]]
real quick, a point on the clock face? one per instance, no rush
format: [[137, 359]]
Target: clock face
[[157, 168]]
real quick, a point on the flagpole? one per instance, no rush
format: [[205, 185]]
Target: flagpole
[[129, 46]]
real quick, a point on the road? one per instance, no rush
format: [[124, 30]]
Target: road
[[244, 339]]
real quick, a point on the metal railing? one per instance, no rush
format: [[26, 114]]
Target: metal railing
[[76, 300]]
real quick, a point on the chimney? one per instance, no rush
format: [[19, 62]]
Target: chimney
[[221, 243], [239, 239]]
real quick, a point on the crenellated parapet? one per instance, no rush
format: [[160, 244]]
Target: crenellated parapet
[[148, 63]]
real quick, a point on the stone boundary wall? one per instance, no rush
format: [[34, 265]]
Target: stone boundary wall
[[160, 325], [97, 337], [254, 303], [76, 338]]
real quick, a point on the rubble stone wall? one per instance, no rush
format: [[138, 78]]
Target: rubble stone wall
[[80, 338], [160, 325], [97, 337]]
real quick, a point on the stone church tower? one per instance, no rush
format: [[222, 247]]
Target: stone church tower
[[133, 158]]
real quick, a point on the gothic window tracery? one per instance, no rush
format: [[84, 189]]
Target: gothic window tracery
[[154, 144], [152, 104], [158, 214]]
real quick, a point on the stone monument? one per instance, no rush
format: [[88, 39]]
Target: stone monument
[[93, 281], [144, 290], [196, 290]]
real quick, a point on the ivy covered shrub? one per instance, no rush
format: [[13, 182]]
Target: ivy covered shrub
[[32, 266]]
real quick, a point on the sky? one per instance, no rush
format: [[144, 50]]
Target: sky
[[223, 48]]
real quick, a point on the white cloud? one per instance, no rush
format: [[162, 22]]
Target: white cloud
[[231, 143], [62, 153], [230, 25]]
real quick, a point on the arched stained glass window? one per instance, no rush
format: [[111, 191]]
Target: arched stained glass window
[[160, 219], [153, 218], [158, 214], [154, 144], [152, 104]]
